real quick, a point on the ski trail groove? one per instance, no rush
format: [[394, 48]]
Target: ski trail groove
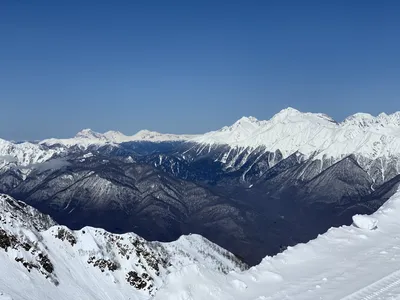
[[376, 289]]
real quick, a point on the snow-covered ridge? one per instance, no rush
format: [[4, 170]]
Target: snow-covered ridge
[[46, 261], [23, 154], [89, 137], [288, 131], [18, 214], [291, 131]]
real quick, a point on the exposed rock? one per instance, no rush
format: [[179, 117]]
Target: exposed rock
[[64, 234], [103, 264], [139, 282]]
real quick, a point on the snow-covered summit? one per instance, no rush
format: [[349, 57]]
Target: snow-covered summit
[[360, 119], [88, 134], [291, 131]]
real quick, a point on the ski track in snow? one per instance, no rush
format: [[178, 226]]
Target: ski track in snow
[[378, 290], [370, 272]]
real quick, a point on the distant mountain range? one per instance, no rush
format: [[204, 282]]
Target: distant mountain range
[[254, 187]]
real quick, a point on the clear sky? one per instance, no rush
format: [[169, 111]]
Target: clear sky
[[191, 66]]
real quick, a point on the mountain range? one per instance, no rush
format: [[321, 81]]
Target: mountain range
[[254, 188]]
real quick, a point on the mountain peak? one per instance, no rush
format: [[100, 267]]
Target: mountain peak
[[288, 111], [248, 119], [244, 124], [147, 135], [87, 134], [368, 120], [114, 136], [360, 119], [291, 113], [145, 131], [392, 119]]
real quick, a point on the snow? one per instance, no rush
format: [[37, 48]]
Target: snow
[[349, 262], [344, 263], [88, 137], [365, 222], [90, 263], [315, 135], [290, 131], [23, 154], [4, 297]]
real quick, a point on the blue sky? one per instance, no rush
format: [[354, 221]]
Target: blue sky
[[191, 66]]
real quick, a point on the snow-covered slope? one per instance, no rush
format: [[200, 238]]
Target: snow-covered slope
[[40, 260], [290, 131], [88, 137], [351, 262], [23, 154]]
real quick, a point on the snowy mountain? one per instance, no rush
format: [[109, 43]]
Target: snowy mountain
[[88, 137], [45, 261], [289, 131], [253, 188], [23, 154], [312, 134], [350, 262]]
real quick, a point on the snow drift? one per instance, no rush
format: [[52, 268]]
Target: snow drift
[[365, 222]]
